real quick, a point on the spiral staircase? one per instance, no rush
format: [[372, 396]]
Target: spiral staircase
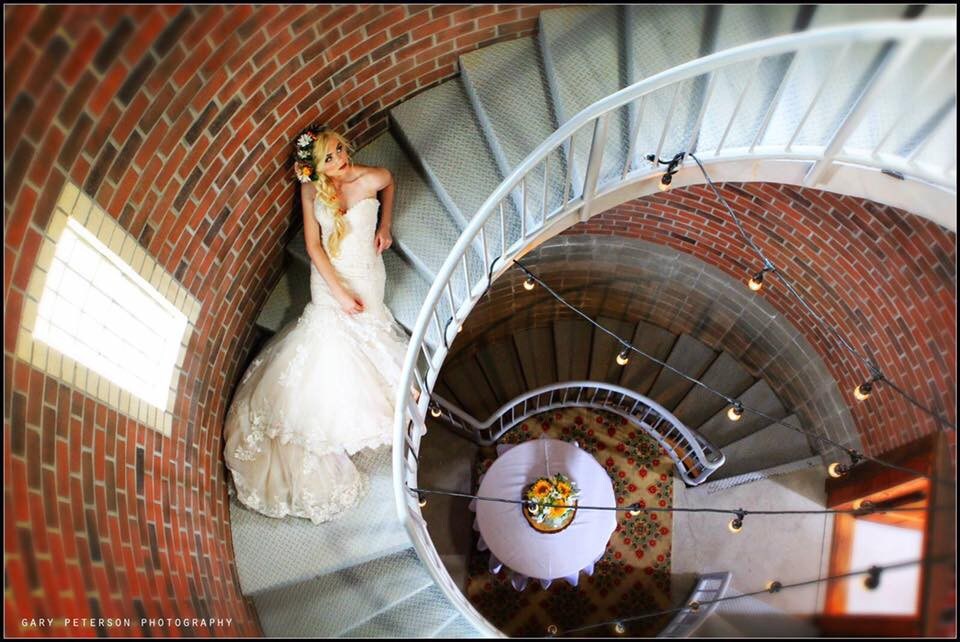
[[531, 138]]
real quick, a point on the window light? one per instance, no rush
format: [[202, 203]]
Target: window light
[[96, 310]]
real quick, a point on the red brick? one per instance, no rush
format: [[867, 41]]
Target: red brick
[[107, 88]]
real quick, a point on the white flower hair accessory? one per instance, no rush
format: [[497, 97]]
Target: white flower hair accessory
[[304, 165]]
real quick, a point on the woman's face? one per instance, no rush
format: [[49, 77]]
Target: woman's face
[[334, 161]]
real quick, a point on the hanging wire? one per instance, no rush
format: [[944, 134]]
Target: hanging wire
[[854, 454], [866, 509], [873, 570], [875, 372]]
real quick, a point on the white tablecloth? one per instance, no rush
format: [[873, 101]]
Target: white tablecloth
[[514, 542]]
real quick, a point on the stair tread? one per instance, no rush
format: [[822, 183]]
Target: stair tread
[[333, 603], [463, 165], [760, 396], [725, 375], [276, 552], [583, 46], [496, 75], [419, 223], [288, 297], [420, 615], [689, 356], [772, 446]]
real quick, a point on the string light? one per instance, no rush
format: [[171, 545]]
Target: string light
[[695, 605], [770, 418], [435, 409], [757, 281], [872, 580], [736, 524], [552, 629], [837, 470], [460, 328], [672, 167], [774, 586], [862, 392], [735, 413], [623, 358], [529, 284], [619, 628], [422, 500]]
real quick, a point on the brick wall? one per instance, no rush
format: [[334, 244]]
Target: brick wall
[[886, 279], [177, 120]]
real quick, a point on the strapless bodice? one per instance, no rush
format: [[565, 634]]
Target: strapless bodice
[[357, 249]]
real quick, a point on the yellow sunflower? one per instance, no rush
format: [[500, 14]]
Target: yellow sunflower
[[541, 489], [564, 489], [556, 513]]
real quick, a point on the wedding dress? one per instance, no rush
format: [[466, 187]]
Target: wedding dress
[[322, 389]]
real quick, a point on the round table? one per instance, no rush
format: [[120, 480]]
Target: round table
[[514, 542]]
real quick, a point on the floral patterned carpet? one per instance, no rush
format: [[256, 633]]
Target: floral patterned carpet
[[632, 578]]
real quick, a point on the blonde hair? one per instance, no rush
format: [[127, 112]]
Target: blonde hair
[[326, 193]]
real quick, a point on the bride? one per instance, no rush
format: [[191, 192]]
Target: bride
[[324, 387]]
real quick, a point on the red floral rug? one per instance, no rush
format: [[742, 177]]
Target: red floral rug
[[632, 578]]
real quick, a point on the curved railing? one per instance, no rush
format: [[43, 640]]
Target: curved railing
[[504, 228], [695, 457]]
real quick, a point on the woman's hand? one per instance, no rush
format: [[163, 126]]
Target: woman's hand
[[382, 240], [350, 303]]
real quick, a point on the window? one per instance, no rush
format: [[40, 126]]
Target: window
[[103, 316]]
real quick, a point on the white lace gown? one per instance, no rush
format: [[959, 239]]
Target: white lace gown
[[322, 389]]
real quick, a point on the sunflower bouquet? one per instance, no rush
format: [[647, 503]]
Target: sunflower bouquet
[[559, 490]]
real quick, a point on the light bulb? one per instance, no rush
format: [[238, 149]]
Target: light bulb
[[435, 410], [834, 470], [423, 501], [665, 181], [735, 525], [872, 581], [735, 412], [863, 391], [552, 629], [460, 328], [622, 358], [619, 628], [756, 282], [774, 586], [529, 284], [694, 606]]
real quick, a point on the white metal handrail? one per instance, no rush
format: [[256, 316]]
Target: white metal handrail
[[423, 363], [695, 457], [708, 589]]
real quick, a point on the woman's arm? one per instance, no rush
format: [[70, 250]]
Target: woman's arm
[[382, 180], [311, 236]]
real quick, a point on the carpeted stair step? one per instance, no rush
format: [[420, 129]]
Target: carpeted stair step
[[327, 606], [271, 553]]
